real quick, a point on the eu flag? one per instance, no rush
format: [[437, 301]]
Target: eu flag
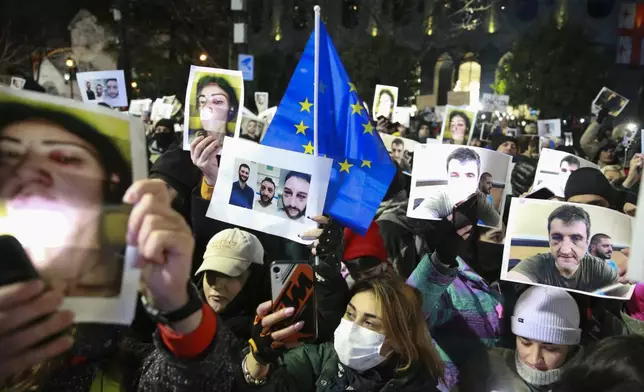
[[362, 169]]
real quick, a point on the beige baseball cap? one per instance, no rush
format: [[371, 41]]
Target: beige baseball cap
[[231, 252]]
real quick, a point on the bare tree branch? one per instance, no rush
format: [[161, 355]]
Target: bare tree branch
[[11, 52]]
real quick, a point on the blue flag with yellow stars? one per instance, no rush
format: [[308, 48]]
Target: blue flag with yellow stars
[[362, 169]]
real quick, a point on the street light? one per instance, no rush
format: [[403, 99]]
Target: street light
[[203, 57]]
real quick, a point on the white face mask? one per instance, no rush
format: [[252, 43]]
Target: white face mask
[[358, 347]]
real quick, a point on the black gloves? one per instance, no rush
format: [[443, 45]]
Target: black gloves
[[447, 242], [264, 348], [330, 243]]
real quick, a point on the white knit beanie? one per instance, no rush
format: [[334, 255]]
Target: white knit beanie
[[547, 315]]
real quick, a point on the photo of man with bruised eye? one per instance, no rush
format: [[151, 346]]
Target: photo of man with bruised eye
[[295, 194], [57, 174]]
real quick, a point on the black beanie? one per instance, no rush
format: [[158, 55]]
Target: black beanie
[[589, 181]]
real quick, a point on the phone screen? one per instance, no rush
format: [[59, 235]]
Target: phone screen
[[465, 213], [16, 266]]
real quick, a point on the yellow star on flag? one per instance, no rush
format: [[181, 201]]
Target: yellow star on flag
[[308, 148], [306, 105], [366, 163], [301, 128], [345, 166], [368, 128], [357, 108], [352, 87]]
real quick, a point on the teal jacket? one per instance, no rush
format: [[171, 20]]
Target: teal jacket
[[317, 368], [463, 314]]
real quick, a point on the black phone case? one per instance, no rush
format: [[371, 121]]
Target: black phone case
[[16, 266]]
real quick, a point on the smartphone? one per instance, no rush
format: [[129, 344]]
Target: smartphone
[[466, 212], [16, 266], [541, 194], [293, 285]]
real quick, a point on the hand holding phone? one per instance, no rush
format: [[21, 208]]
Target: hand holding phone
[[32, 330], [465, 213], [293, 286], [31, 327]]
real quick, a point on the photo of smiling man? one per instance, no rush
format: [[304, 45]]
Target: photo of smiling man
[[565, 261], [242, 194], [295, 194]]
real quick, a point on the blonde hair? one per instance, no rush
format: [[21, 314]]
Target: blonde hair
[[403, 322]]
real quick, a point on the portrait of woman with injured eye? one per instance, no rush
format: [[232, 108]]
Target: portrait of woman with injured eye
[[61, 185]]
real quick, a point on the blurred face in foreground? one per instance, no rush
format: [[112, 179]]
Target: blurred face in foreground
[[53, 191]]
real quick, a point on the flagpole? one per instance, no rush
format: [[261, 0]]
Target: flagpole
[[316, 84], [316, 79]]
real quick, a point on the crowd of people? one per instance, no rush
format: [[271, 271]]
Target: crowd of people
[[413, 305]]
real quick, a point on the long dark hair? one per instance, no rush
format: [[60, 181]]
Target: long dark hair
[[614, 364], [117, 172]]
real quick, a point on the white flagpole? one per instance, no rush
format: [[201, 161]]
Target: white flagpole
[[316, 85], [316, 79]]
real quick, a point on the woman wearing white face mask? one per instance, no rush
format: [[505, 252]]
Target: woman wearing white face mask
[[381, 344], [546, 326]]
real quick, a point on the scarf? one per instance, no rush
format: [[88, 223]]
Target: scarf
[[541, 378]]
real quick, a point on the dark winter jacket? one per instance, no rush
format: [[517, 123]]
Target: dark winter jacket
[[142, 367], [317, 368], [498, 370]]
